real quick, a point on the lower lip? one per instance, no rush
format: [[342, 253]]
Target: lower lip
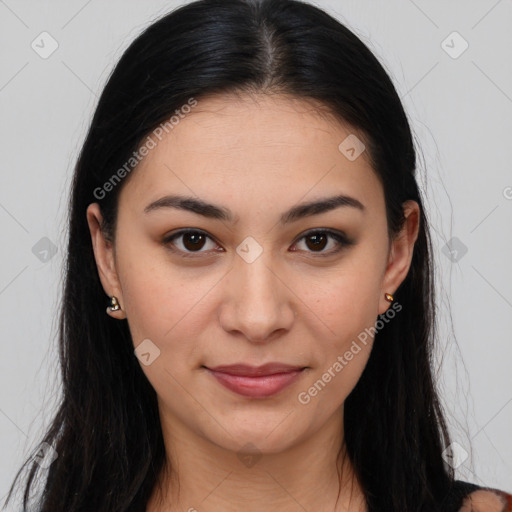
[[256, 387]]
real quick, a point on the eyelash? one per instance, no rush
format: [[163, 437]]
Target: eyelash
[[340, 237]]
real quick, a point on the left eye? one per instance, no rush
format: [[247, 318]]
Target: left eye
[[192, 241], [318, 240]]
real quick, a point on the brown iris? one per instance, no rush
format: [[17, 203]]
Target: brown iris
[[319, 241], [193, 241]]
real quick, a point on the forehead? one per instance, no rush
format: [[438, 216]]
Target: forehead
[[271, 148]]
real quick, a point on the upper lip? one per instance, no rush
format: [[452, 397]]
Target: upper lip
[[252, 371]]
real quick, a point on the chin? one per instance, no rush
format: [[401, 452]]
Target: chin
[[270, 437]]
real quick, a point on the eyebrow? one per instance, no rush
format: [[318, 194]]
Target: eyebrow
[[217, 212]]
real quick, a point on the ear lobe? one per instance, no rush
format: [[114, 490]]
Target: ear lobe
[[103, 253], [401, 252]]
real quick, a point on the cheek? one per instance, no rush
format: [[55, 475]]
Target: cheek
[[149, 301], [162, 307], [347, 306], [163, 302], [346, 301]]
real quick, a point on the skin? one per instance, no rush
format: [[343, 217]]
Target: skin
[[257, 155], [483, 501]]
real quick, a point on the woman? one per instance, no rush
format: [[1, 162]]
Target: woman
[[246, 200]]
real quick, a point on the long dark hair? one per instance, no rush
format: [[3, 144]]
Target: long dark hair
[[107, 432]]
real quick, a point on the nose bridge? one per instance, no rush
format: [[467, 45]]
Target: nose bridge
[[258, 303], [260, 282]]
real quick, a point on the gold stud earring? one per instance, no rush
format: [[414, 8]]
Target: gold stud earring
[[389, 297], [114, 304]]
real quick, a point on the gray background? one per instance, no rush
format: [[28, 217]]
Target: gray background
[[460, 109]]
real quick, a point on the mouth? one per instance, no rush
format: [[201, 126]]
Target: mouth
[[256, 382]]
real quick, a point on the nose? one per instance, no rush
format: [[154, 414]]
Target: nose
[[257, 302]]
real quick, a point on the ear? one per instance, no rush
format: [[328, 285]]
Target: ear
[[400, 254], [105, 260]]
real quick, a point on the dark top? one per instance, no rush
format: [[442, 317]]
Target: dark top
[[461, 490]]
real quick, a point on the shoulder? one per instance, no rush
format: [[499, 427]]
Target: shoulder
[[487, 500]]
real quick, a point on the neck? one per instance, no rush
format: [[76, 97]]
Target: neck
[[311, 475]]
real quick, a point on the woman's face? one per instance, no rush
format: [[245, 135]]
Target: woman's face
[[255, 286]]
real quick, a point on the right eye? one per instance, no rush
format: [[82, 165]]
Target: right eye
[[190, 241]]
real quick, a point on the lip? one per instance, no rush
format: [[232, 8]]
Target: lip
[[256, 382], [246, 370]]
